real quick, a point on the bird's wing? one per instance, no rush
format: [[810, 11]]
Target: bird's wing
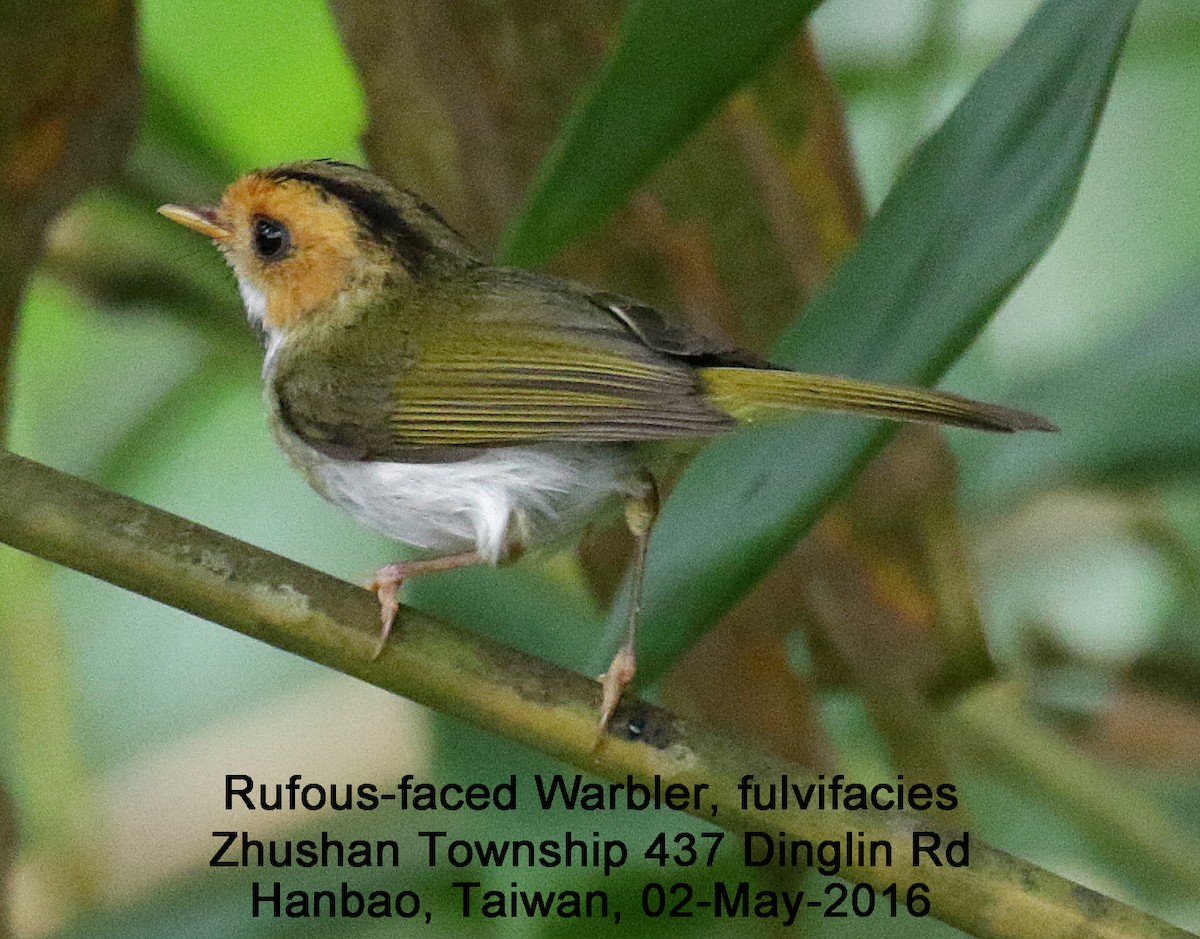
[[530, 364], [671, 336]]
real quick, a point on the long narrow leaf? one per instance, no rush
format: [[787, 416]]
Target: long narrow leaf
[[1130, 406], [978, 204], [674, 62]]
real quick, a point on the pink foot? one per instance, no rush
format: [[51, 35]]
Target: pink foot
[[614, 682], [386, 585]]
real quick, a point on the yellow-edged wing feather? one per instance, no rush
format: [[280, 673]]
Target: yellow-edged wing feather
[[565, 388]]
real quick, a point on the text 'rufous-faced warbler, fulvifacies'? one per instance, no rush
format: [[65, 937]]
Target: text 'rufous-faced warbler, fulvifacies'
[[472, 410]]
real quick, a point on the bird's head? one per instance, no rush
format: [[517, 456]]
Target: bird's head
[[302, 237]]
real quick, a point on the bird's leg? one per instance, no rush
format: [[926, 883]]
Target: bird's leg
[[388, 580], [641, 509]]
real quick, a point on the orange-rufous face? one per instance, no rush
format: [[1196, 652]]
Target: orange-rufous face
[[292, 247]]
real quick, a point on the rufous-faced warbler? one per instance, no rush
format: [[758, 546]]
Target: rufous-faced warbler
[[472, 410]]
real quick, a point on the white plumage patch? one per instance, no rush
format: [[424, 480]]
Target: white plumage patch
[[255, 301], [274, 341], [532, 495]]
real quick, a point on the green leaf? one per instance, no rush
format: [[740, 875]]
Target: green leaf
[[1127, 409], [977, 205], [674, 62]]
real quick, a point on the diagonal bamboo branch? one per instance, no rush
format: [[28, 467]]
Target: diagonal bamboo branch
[[298, 609]]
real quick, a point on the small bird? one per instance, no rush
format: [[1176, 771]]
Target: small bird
[[472, 410]]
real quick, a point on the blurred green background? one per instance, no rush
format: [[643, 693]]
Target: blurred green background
[[133, 368]]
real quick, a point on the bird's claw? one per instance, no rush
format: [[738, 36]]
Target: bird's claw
[[614, 682], [386, 587]]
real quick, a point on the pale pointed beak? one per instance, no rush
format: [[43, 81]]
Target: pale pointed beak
[[198, 218]]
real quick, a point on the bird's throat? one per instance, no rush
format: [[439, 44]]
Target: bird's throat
[[255, 301]]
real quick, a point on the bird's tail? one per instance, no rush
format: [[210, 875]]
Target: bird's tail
[[752, 395]]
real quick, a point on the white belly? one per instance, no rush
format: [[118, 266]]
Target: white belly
[[531, 495]]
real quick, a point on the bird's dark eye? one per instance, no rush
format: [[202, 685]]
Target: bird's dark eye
[[271, 239]]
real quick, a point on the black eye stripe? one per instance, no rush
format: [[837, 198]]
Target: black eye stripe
[[372, 207], [376, 213], [270, 238]]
